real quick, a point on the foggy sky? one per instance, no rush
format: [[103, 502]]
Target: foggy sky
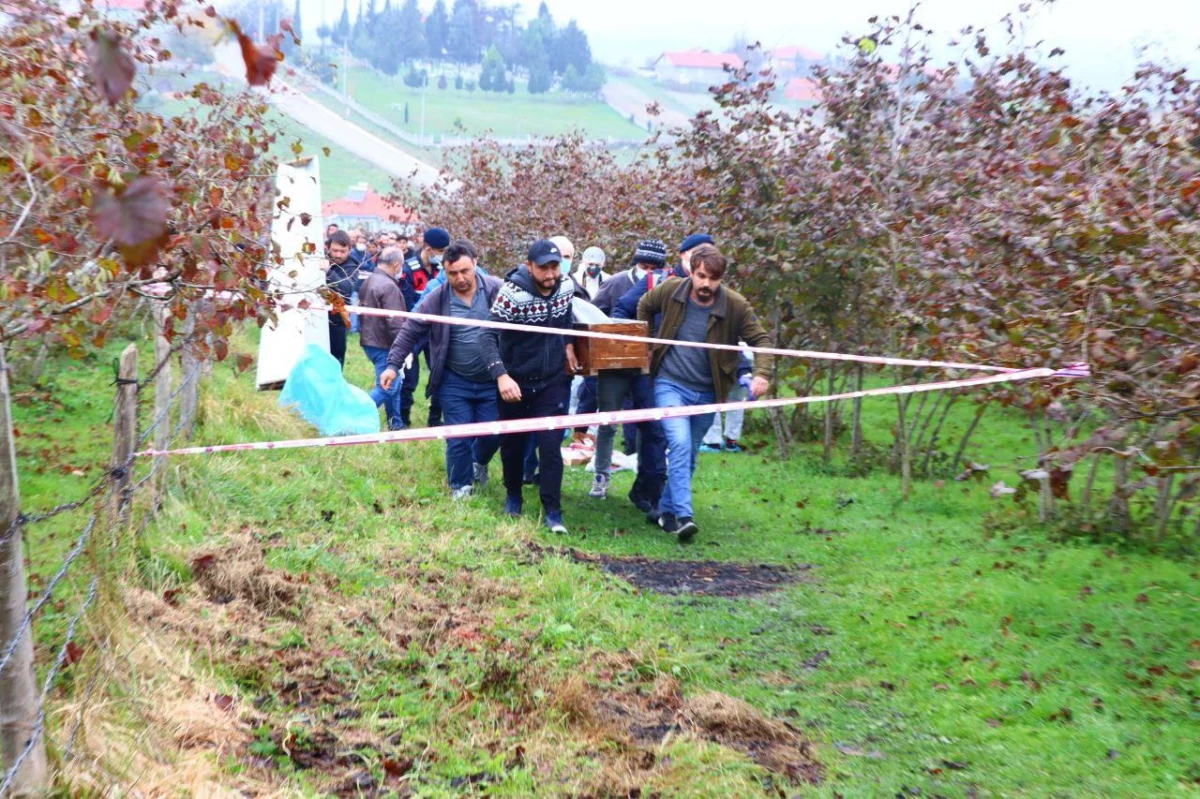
[[1102, 38]]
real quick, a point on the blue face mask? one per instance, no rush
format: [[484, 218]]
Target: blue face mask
[[565, 266], [435, 260]]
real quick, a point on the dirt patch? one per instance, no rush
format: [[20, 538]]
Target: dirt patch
[[238, 570], [647, 716], [696, 577]]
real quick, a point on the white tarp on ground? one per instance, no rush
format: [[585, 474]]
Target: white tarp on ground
[[303, 250]]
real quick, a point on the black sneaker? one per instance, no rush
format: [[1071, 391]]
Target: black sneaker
[[668, 523], [639, 501], [686, 529]]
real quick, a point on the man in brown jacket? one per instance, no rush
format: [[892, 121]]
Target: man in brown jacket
[[376, 333], [699, 309]]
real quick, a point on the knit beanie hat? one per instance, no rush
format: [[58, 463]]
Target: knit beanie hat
[[650, 251], [695, 240], [437, 238]]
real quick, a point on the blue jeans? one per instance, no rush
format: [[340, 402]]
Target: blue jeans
[[465, 402], [354, 316], [390, 400], [684, 435]]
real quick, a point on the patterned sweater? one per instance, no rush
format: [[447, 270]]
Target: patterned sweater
[[529, 358]]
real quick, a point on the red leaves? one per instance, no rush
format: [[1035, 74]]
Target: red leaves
[[260, 59], [134, 219], [112, 67]]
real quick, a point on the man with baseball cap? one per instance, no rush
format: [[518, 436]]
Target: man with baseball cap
[[418, 272], [531, 371]]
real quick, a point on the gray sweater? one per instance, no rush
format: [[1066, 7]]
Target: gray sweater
[[380, 290]]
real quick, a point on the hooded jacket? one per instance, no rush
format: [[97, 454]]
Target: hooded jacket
[[531, 359]]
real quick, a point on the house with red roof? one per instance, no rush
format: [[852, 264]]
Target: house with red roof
[[793, 60], [695, 66], [363, 208]]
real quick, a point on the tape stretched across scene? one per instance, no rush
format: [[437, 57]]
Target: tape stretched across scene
[[813, 354], [610, 417]]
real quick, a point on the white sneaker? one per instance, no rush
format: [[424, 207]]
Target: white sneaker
[[481, 474], [463, 492], [599, 486]]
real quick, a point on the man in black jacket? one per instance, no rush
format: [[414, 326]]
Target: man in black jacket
[[530, 370], [418, 272], [458, 373], [340, 276]]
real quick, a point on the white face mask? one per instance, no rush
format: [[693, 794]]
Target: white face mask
[[360, 247]]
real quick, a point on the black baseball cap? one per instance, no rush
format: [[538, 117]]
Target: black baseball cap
[[543, 252]]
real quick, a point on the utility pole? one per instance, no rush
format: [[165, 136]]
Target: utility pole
[[424, 88], [346, 75]]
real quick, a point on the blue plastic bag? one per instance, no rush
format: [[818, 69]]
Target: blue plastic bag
[[322, 396]]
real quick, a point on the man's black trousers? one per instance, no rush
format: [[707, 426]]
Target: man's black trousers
[[548, 399]]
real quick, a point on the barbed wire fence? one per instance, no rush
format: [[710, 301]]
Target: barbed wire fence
[[24, 731]]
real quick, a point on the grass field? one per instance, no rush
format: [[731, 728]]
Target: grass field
[[454, 112], [327, 620]]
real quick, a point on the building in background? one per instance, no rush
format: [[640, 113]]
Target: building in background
[[694, 67], [363, 208], [793, 61]]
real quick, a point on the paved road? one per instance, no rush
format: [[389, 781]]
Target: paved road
[[626, 99], [316, 117]]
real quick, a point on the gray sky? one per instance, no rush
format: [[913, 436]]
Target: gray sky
[[1102, 37]]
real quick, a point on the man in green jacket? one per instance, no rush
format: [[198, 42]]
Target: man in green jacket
[[698, 309]]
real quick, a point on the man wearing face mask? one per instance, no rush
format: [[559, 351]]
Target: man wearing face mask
[[366, 265], [418, 272], [590, 273]]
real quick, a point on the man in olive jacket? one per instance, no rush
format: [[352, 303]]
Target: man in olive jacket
[[699, 309], [381, 289]]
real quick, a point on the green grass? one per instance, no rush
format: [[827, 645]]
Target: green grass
[[454, 112], [339, 170], [962, 658]]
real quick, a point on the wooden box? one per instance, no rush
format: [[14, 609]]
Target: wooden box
[[595, 354]]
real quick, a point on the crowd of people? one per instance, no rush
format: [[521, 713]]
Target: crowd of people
[[478, 374]]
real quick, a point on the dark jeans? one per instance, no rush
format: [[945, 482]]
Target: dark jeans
[[535, 403], [337, 339], [614, 387], [408, 390], [390, 400], [465, 402]]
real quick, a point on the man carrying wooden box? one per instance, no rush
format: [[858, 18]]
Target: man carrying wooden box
[[697, 309]]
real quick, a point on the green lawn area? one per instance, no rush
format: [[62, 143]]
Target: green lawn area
[[453, 112], [359, 628], [339, 170]]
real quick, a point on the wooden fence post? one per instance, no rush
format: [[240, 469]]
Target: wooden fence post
[[162, 396], [124, 426], [18, 687], [191, 378]]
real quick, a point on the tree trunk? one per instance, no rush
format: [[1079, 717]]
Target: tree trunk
[[1086, 500], [18, 687], [828, 439], [1118, 503], [962, 445], [1163, 506], [937, 433], [856, 439], [902, 445]]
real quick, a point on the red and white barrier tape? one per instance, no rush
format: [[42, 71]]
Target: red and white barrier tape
[[827, 356], [609, 418]]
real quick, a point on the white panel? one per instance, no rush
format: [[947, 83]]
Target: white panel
[[299, 277]]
